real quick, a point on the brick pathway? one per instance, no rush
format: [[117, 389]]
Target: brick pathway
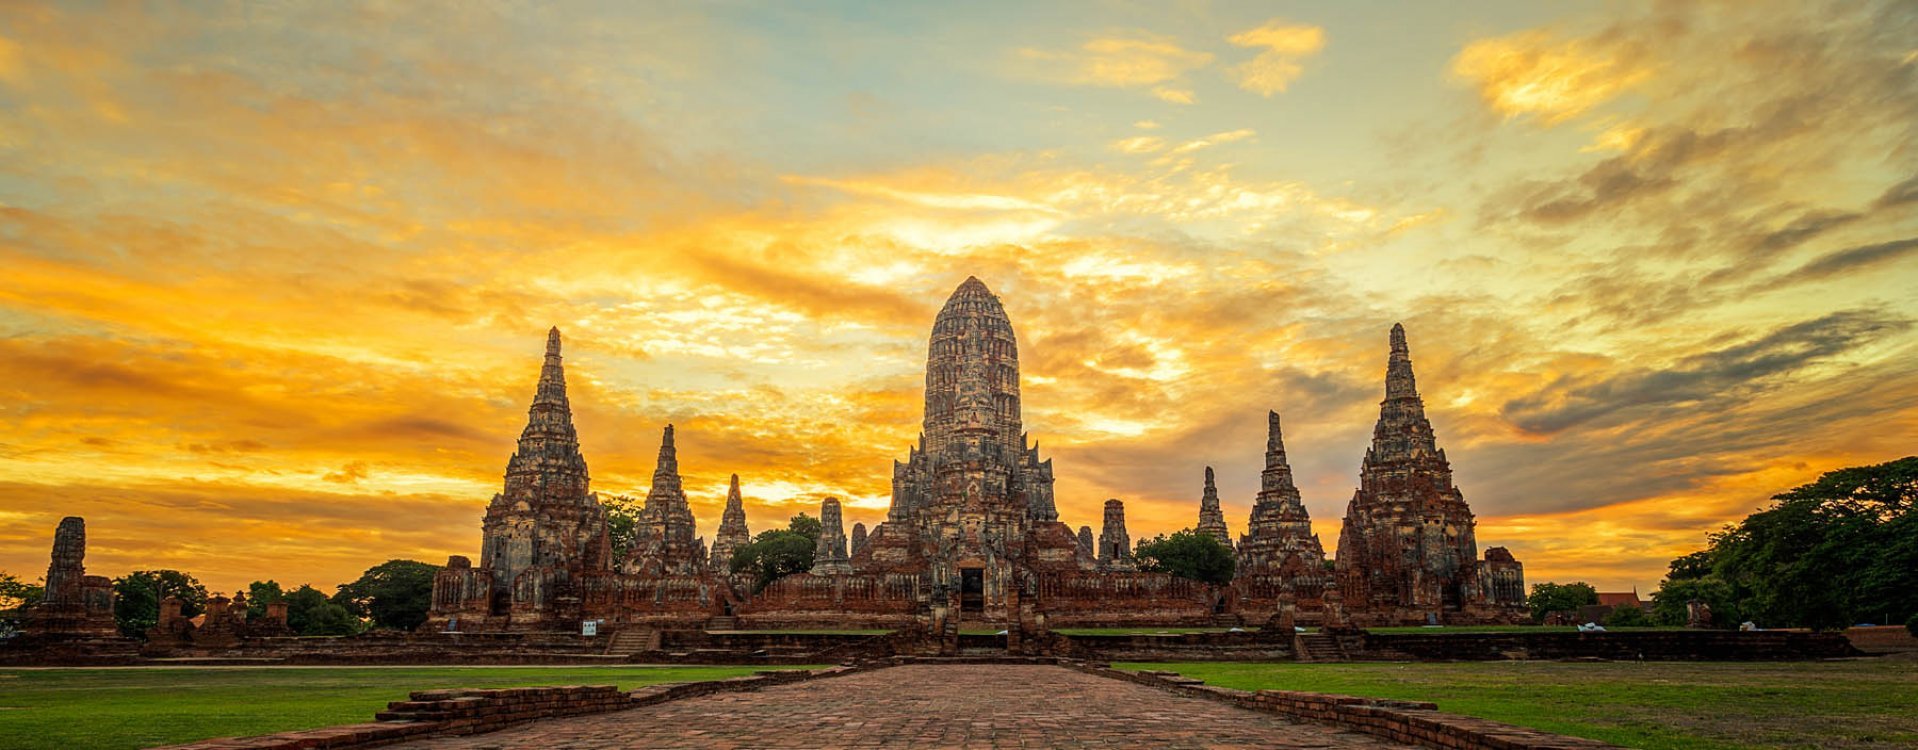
[[959, 706]]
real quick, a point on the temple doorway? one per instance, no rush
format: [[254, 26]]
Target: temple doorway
[[972, 590]]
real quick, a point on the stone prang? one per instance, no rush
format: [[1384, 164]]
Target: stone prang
[[1407, 551], [733, 533], [829, 555], [74, 604], [1115, 545], [1211, 517]]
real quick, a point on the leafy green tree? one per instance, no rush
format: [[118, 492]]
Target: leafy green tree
[[259, 594], [1695, 565], [775, 553], [15, 597], [622, 521], [394, 594], [1671, 603], [1840, 550], [1627, 616], [138, 594], [300, 606], [806, 526], [330, 619], [1187, 554], [1555, 597]]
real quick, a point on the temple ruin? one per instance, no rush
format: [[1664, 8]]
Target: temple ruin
[[973, 533]]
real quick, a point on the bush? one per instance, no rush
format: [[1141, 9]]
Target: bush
[[1911, 626], [1627, 616]]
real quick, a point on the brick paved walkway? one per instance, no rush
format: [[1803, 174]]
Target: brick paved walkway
[[959, 706]]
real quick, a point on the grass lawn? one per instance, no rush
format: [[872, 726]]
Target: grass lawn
[[1867, 703], [1502, 629], [141, 707]]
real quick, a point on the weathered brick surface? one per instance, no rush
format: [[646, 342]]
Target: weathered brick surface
[[984, 706]]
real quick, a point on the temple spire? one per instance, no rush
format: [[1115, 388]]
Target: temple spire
[[733, 533], [1211, 517], [1399, 382], [668, 466], [829, 553]]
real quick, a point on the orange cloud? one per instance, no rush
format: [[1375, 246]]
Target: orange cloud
[[1284, 47], [1538, 75], [1136, 60]]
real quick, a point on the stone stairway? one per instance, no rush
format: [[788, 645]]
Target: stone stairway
[[632, 641], [1317, 647], [723, 623]]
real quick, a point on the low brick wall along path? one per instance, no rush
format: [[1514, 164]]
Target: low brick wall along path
[[960, 706]]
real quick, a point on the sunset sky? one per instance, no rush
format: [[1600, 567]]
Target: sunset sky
[[275, 278]]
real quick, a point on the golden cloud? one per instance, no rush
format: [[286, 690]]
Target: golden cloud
[[1285, 47], [1539, 75], [1136, 60]]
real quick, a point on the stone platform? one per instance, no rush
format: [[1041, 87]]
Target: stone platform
[[956, 705]]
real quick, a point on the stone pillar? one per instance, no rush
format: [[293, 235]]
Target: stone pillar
[[1086, 543], [829, 557], [858, 536], [1115, 545], [1334, 610]]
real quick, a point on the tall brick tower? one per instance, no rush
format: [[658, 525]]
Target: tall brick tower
[[545, 530], [1407, 552], [973, 501]]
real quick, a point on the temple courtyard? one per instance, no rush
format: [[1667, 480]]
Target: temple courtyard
[[1831, 704]]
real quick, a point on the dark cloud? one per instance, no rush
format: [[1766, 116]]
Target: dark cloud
[[1735, 371], [1848, 260]]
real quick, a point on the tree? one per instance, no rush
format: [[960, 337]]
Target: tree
[[1695, 565], [775, 553], [622, 521], [1628, 616], [1553, 597], [138, 594], [1911, 626], [394, 594], [806, 526], [15, 597], [330, 619], [259, 594], [1187, 554], [301, 605], [1671, 604], [1839, 550]]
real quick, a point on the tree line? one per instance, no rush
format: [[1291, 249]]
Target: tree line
[[1839, 551], [395, 594]]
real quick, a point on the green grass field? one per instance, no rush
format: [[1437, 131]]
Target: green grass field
[[141, 707], [1846, 705]]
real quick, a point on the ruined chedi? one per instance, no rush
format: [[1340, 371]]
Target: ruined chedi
[[829, 556], [733, 533], [1211, 517], [1407, 552], [543, 534], [74, 605], [664, 541], [1278, 537], [1115, 545]]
